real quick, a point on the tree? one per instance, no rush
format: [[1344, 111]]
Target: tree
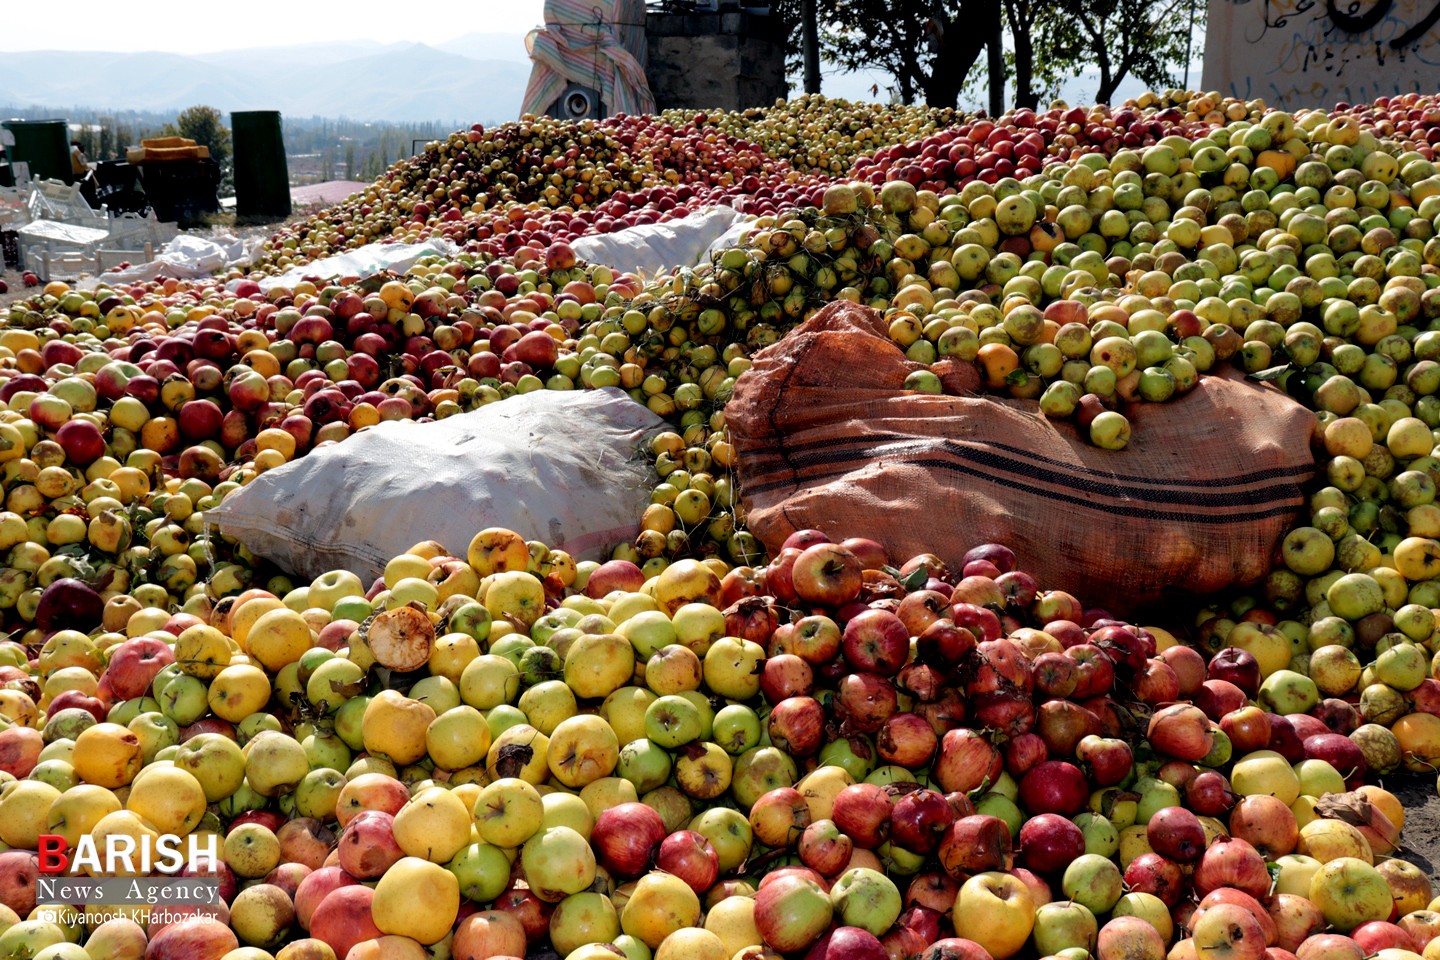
[[202, 124], [1021, 17], [1121, 38], [927, 46]]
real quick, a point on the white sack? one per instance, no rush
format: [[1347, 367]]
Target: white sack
[[654, 248], [731, 237], [363, 262], [565, 467], [185, 257]]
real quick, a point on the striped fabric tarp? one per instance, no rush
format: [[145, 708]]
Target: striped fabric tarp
[[828, 438], [589, 42]]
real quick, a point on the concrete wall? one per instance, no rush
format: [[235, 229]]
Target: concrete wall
[[730, 60], [1298, 53]]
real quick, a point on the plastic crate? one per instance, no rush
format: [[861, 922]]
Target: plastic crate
[[118, 188], [183, 191]]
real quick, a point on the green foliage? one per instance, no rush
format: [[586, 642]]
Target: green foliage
[[927, 46], [203, 125], [932, 48], [1147, 39]]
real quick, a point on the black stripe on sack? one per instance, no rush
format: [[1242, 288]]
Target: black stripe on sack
[[1270, 473], [1137, 513], [1011, 467]]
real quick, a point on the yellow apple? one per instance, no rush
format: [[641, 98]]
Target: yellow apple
[[170, 798], [582, 750], [820, 787], [733, 921], [1265, 771], [660, 905], [24, 812], [130, 824], [692, 943], [279, 637], [394, 726], [119, 938], [504, 760], [202, 651], [686, 581], [458, 738], [596, 665], [238, 691], [496, 550], [607, 792], [76, 811], [274, 763], [434, 825], [567, 810], [515, 594], [450, 655], [996, 911], [416, 898], [404, 566], [508, 812], [107, 755]]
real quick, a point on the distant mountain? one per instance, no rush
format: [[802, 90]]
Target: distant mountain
[[473, 78], [509, 47], [465, 83]]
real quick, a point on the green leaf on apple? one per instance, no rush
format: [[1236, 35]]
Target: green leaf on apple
[[917, 578]]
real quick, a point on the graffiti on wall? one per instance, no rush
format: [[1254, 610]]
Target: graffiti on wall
[[1298, 53]]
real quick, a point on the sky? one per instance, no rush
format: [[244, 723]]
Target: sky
[[183, 26], [175, 26]]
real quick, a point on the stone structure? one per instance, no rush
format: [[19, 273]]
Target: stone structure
[[728, 60]]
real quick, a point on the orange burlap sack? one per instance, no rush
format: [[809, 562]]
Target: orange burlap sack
[[828, 438]]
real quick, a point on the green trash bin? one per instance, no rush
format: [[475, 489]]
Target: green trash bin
[[44, 145], [262, 177]]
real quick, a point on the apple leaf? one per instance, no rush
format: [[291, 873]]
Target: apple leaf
[[374, 283], [1268, 374], [916, 579], [513, 758]]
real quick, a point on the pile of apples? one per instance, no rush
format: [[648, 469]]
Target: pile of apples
[[687, 749], [543, 180], [1089, 286], [509, 753]]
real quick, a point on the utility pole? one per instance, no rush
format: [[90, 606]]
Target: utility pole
[[810, 43]]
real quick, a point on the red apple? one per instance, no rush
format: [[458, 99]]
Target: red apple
[[625, 837], [689, 856], [1049, 842], [827, 574]]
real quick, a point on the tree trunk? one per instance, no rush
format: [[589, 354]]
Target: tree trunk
[[906, 84], [995, 58], [810, 41], [1108, 82], [958, 50], [1111, 77], [1022, 20]]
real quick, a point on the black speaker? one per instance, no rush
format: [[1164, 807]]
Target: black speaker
[[578, 103]]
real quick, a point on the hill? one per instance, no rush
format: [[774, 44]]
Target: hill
[[475, 78]]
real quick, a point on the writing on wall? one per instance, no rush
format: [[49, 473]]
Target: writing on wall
[[1316, 53]]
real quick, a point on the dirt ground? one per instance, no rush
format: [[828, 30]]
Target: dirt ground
[[1421, 837]]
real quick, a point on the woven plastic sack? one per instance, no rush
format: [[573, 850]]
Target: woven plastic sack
[[828, 438], [654, 248], [563, 467]]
